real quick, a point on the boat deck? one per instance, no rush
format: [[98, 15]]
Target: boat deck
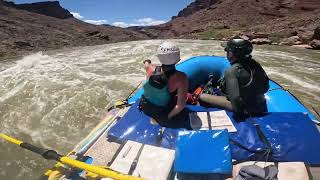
[[103, 151]]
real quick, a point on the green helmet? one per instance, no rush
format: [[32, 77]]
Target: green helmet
[[240, 48]]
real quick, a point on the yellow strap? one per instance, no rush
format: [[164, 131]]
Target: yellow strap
[[97, 170], [15, 141]]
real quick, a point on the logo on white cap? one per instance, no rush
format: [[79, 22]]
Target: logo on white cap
[[168, 53]]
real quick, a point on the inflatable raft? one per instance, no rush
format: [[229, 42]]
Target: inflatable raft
[[129, 143]]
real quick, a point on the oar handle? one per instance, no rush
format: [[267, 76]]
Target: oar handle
[[45, 153], [53, 155]]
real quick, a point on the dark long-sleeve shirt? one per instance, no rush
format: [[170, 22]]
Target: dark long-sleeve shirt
[[245, 86]]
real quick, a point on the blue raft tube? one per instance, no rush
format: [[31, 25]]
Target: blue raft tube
[[199, 68]]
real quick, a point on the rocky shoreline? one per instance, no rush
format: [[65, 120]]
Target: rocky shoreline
[[310, 41]]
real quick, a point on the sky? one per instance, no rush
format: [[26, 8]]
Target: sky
[[122, 13]]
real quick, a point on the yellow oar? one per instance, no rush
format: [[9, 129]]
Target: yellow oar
[[53, 155]]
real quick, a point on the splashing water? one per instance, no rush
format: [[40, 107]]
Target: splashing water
[[54, 99]]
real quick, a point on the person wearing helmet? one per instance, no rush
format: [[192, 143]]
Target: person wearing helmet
[[243, 84], [165, 91]]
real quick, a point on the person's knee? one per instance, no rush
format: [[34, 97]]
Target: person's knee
[[204, 100], [204, 97], [208, 100]]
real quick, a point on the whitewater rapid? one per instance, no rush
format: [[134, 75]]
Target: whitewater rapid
[[54, 99]]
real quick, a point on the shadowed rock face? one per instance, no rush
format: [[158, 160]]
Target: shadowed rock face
[[317, 33], [43, 26], [50, 8], [194, 7]]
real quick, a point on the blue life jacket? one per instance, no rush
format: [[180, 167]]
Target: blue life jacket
[[156, 88]]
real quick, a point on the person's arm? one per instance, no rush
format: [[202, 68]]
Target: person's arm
[[182, 96], [233, 92]]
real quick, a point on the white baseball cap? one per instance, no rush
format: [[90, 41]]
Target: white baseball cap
[[168, 53]]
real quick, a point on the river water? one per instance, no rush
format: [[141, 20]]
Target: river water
[[54, 99]]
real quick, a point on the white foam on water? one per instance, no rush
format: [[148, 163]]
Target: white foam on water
[[286, 57], [127, 62], [12, 92], [27, 62], [298, 81]]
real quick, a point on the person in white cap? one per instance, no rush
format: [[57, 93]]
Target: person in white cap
[[165, 92]]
